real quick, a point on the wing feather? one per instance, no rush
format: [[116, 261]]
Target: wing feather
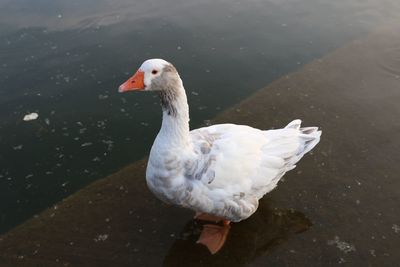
[[243, 160]]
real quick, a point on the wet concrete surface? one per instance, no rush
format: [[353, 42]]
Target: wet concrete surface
[[340, 206]]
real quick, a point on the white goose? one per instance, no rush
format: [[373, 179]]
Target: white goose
[[220, 171]]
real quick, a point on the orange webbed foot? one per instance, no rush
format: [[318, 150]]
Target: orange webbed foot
[[214, 236]]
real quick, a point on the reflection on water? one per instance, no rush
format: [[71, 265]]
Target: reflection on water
[[247, 240]]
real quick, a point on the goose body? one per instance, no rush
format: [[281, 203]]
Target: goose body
[[221, 170]]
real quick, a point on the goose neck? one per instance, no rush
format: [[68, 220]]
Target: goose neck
[[175, 122]]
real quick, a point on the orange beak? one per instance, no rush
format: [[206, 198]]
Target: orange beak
[[136, 82]]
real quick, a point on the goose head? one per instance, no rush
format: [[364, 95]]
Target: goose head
[[153, 75]]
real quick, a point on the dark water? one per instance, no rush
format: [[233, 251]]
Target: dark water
[[65, 60]]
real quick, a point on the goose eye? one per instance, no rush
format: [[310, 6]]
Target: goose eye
[[154, 72]]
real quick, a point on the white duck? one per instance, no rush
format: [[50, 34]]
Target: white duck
[[220, 171]]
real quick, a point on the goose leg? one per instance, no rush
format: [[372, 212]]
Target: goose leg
[[207, 217]]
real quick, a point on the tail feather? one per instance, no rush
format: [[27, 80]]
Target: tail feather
[[294, 125], [313, 135], [285, 147], [309, 138], [308, 130], [291, 143]]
